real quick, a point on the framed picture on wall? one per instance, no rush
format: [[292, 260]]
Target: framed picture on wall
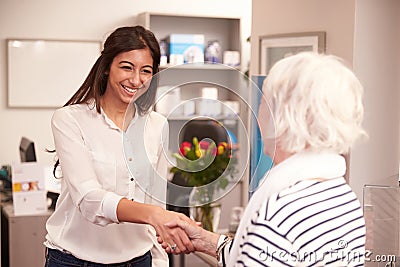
[[278, 46]]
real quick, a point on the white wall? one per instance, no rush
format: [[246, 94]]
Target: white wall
[[80, 20], [336, 18], [365, 34], [376, 62]]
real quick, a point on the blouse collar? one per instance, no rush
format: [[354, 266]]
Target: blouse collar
[[113, 125]]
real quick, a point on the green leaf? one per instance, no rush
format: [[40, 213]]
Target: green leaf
[[191, 155]]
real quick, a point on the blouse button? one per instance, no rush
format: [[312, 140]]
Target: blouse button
[[132, 179], [130, 159]]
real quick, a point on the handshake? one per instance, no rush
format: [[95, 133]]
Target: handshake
[[183, 235]]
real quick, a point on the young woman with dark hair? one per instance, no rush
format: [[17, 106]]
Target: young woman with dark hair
[[102, 215]]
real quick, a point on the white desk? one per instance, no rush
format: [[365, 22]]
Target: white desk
[[22, 238]]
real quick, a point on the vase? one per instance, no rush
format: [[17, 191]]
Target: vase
[[203, 209], [208, 214]]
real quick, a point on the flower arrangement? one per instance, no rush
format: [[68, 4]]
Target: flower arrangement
[[202, 163]]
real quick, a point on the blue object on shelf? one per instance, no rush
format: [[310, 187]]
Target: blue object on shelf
[[259, 162], [232, 137]]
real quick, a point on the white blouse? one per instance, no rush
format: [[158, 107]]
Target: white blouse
[[94, 157]]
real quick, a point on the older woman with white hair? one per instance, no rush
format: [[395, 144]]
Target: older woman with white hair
[[303, 213]]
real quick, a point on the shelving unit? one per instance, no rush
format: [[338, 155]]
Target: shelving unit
[[225, 30], [230, 82], [195, 66], [195, 117]]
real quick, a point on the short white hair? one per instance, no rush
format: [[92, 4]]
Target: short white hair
[[316, 103]]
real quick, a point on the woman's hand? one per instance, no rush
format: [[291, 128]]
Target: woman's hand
[[174, 239]]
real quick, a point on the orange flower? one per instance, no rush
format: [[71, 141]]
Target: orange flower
[[221, 149], [225, 144]]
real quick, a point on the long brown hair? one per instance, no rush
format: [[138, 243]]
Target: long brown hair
[[121, 40]]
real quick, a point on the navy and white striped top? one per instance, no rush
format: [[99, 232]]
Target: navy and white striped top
[[312, 223]]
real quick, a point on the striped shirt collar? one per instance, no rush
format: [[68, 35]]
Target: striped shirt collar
[[298, 167]]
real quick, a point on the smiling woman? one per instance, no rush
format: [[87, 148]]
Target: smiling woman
[[98, 189], [129, 78]]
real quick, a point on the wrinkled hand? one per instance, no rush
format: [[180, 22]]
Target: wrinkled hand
[[173, 237]]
